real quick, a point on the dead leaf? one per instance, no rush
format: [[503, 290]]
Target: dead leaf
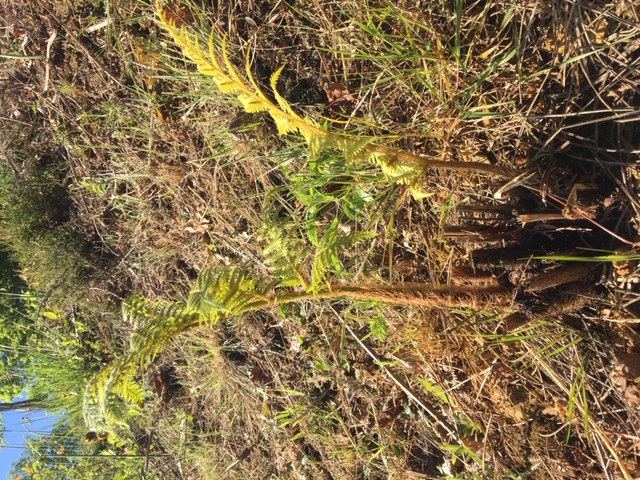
[[473, 445], [632, 395], [338, 95], [515, 321], [600, 31], [559, 409], [572, 207], [177, 14], [198, 229], [625, 375], [629, 364], [556, 41]]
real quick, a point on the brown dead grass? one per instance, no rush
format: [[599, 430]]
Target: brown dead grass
[[163, 188]]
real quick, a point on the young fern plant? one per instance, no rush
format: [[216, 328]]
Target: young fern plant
[[398, 166], [223, 293]]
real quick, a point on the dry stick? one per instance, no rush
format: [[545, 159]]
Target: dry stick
[[543, 217], [47, 63], [589, 219], [578, 212]]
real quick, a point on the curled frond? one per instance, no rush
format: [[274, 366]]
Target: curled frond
[[111, 395], [103, 409]]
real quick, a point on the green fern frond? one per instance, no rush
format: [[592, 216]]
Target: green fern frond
[[156, 324], [286, 256], [130, 391], [217, 294], [111, 394], [103, 412], [227, 292], [140, 311]]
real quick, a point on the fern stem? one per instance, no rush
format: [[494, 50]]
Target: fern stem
[[420, 295], [427, 163]]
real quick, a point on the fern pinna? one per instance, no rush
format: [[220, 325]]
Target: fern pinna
[[398, 165], [114, 393]]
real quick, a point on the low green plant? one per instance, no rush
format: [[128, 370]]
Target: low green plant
[[34, 214]]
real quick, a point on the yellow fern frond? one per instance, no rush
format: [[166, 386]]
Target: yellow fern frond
[[317, 139], [356, 148], [397, 165], [418, 192], [248, 93]]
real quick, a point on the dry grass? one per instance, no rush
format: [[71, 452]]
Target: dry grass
[[164, 184]]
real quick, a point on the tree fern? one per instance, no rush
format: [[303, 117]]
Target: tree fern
[[397, 165], [114, 393], [233, 291]]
